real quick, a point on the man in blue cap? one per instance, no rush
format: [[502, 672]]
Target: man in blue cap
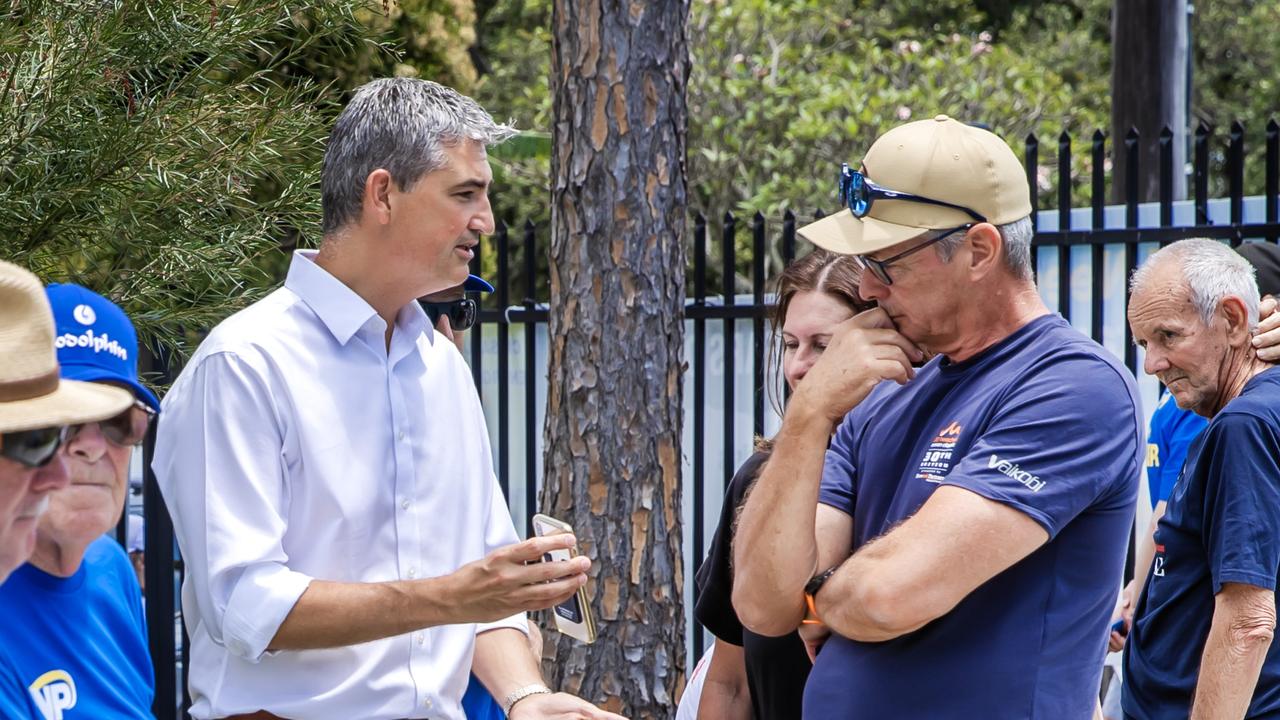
[[83, 641], [451, 312]]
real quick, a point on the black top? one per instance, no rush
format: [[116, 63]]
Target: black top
[[777, 667]]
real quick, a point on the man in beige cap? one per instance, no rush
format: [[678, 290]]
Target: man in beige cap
[[962, 536], [35, 410]]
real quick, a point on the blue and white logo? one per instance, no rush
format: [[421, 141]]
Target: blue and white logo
[[84, 315]]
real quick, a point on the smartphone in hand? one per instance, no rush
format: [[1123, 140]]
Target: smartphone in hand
[[573, 616]]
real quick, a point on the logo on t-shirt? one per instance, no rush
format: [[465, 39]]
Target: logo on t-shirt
[[936, 462], [1153, 455], [54, 692], [1157, 565], [1033, 482]]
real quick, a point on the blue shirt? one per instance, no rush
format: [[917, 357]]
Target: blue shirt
[[15, 701], [1171, 433], [1222, 526], [1045, 422], [478, 704], [80, 643]]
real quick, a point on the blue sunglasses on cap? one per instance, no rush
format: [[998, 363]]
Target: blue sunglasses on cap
[[857, 193]]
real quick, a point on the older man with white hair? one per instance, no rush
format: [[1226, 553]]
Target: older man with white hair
[[1201, 642]]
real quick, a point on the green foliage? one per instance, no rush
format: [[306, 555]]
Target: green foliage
[[158, 152], [1235, 54], [781, 93]]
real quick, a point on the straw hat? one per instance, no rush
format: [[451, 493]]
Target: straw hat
[[31, 394]]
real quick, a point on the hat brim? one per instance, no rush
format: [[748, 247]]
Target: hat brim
[[95, 374], [475, 283], [848, 235], [73, 402]]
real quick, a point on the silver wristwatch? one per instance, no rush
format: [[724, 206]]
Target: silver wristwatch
[[519, 694]]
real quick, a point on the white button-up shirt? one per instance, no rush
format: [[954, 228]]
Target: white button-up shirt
[[296, 446]]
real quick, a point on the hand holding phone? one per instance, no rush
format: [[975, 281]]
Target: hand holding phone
[[573, 616]]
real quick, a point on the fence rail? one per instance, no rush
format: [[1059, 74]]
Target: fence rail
[[1079, 253]]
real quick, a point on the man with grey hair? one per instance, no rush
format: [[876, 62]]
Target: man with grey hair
[[1201, 640], [325, 457], [959, 525]]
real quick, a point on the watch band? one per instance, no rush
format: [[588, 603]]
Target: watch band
[[811, 589], [816, 582], [519, 694]]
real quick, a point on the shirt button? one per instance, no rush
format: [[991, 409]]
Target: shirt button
[[422, 639], [413, 572], [400, 436], [404, 504]]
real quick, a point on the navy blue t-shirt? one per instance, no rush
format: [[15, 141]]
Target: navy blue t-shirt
[[1172, 430], [1046, 422], [1222, 526]]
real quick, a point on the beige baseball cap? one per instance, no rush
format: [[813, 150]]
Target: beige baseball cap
[[940, 159]]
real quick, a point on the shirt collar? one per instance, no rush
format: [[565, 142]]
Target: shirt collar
[[341, 310]]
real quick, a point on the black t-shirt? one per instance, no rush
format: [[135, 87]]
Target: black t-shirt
[[777, 667]]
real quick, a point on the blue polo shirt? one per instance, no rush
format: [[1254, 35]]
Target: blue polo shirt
[[1171, 433], [79, 644], [1222, 526], [1046, 422]]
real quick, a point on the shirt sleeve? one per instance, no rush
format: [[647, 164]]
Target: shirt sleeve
[[1241, 501], [219, 462], [714, 608], [1054, 447], [839, 474], [499, 530], [1173, 451]]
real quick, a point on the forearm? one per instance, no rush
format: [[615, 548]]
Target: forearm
[[504, 662], [724, 702], [337, 614], [859, 603], [775, 548], [1232, 659], [725, 695]]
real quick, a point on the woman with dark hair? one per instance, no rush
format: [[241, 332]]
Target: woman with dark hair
[[753, 676]]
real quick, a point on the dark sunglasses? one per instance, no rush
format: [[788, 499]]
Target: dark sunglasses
[[461, 313], [880, 268], [123, 430], [857, 193], [33, 448]]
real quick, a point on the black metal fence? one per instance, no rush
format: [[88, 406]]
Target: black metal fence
[[1060, 234]]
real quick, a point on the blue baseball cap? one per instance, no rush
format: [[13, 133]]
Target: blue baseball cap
[[475, 283], [95, 340]]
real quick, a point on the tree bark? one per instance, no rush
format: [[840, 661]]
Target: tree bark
[[613, 420], [1148, 91]]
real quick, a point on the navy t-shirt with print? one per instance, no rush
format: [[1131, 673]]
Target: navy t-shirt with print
[[1046, 422], [1222, 526]]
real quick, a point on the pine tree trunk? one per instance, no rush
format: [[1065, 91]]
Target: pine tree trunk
[[1148, 91], [613, 421]]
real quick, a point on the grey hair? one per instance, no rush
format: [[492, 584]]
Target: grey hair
[[401, 125], [1212, 272], [1016, 237]]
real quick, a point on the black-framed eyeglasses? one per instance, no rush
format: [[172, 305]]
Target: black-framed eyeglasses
[[461, 312], [857, 193], [33, 448], [880, 268], [127, 429]]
